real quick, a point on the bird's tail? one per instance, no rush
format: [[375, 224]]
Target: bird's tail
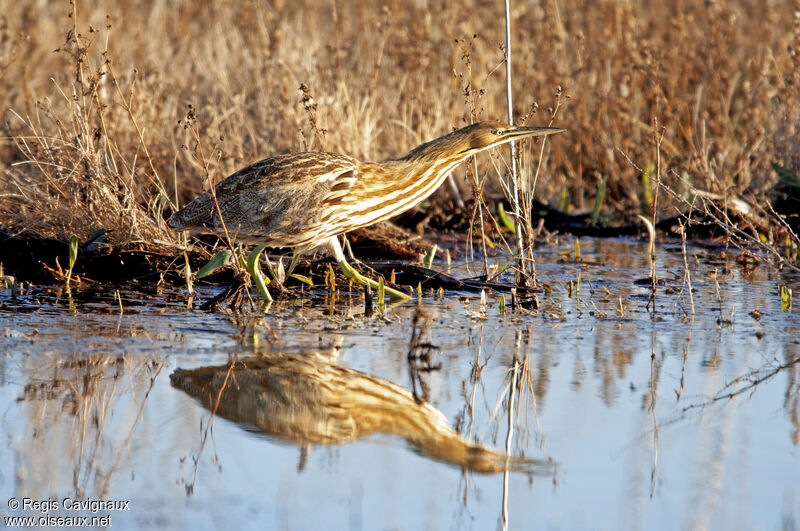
[[195, 214]]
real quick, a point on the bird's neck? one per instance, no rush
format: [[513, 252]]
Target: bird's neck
[[386, 189], [422, 170], [400, 184]]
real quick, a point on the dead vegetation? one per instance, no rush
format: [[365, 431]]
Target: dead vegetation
[[116, 113]]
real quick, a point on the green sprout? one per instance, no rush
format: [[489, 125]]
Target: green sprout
[[646, 184], [220, 260], [255, 272], [73, 256], [786, 298], [598, 199], [429, 256], [381, 296], [504, 217]]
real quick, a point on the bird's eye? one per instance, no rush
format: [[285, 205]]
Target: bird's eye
[[499, 132]]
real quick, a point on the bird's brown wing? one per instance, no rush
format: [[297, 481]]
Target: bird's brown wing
[[280, 201]]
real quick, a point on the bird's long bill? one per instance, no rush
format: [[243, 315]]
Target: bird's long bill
[[524, 132]]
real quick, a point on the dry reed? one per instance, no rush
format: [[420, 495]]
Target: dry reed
[[95, 132]]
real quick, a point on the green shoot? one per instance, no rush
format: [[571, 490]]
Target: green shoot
[[788, 178], [381, 296], [429, 256], [221, 259], [651, 232], [646, 184], [187, 273], [598, 199], [302, 278], [293, 263], [564, 199], [73, 255], [258, 277], [786, 298], [507, 223], [331, 278], [9, 282]]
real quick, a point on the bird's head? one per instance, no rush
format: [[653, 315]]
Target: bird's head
[[475, 138], [484, 135]]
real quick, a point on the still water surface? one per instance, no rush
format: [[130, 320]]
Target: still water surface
[[620, 417]]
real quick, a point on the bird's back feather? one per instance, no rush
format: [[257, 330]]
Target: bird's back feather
[[276, 200]]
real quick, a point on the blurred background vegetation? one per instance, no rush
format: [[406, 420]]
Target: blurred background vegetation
[[117, 112]]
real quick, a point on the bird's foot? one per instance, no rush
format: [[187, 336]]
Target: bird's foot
[[355, 276]]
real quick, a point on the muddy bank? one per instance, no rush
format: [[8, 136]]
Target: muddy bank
[[386, 247]]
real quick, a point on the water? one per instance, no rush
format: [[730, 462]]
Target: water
[[623, 418]]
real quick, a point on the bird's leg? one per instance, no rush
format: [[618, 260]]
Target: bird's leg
[[351, 273], [348, 248], [348, 251], [255, 272]]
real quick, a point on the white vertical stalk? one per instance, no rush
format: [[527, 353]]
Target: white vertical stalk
[[512, 147], [512, 391]]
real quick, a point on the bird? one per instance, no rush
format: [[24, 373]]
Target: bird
[[306, 200]]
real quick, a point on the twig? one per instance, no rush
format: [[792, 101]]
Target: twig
[[190, 488], [512, 147]]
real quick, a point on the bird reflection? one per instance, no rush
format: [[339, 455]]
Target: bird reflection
[[305, 398]]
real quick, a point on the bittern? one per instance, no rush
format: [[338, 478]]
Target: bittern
[[306, 200]]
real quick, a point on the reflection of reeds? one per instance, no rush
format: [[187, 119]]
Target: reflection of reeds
[[792, 398], [654, 374], [519, 387], [420, 355], [73, 408], [749, 381], [306, 399]]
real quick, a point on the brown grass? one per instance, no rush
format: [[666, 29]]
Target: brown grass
[[116, 115]]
